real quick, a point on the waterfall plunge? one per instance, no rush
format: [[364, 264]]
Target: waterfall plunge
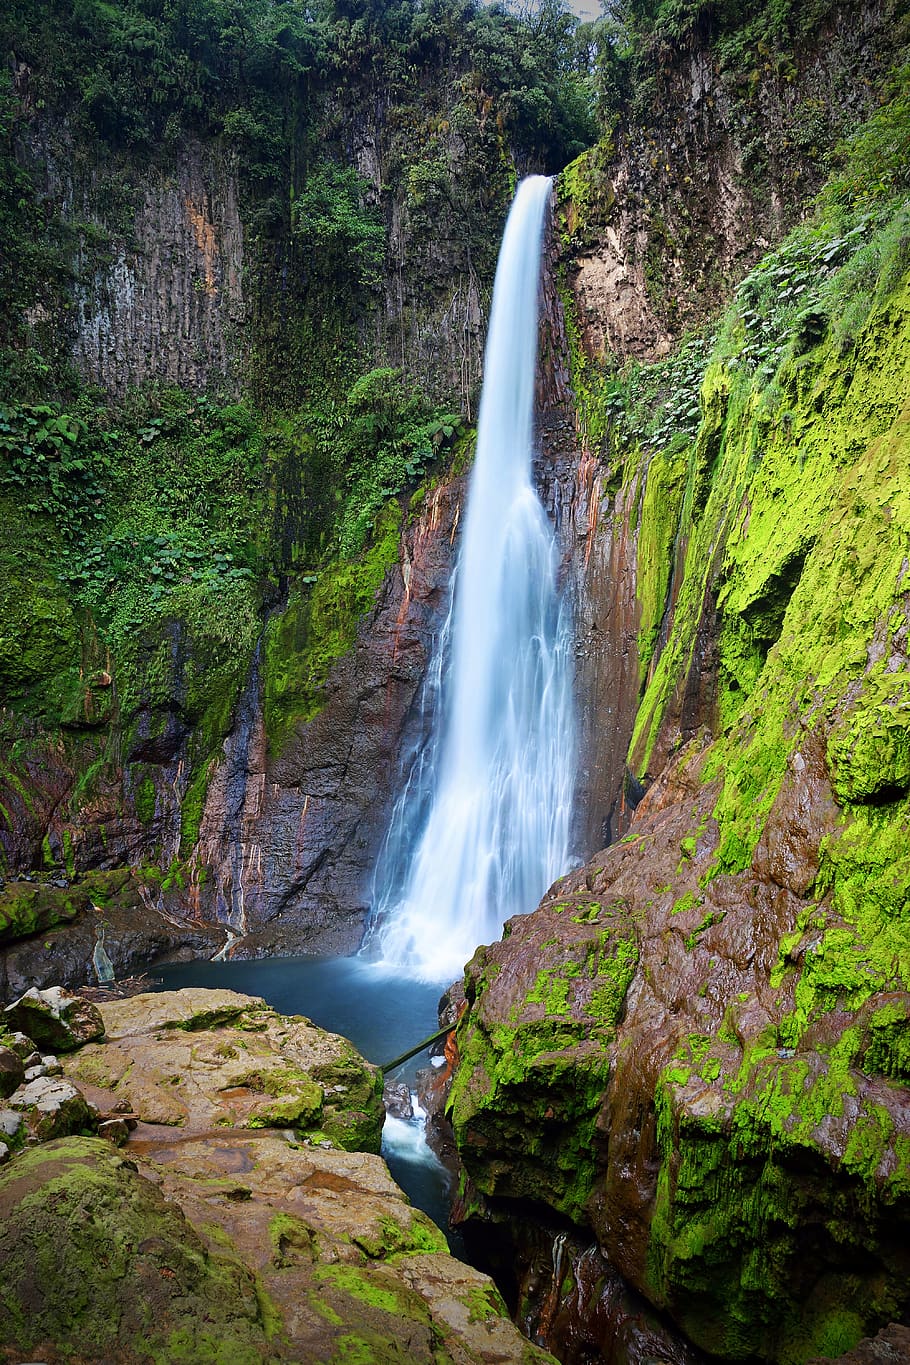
[[481, 826]]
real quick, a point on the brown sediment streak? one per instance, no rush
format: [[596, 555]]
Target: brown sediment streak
[[588, 488], [206, 241]]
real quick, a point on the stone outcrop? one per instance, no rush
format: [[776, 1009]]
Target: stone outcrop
[[213, 1059], [54, 1018], [653, 1067], [242, 1219], [316, 809], [698, 184]]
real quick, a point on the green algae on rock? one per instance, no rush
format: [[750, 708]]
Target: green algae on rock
[[745, 1152], [96, 1260], [534, 1054]]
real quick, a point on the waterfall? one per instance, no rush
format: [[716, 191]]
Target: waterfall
[[480, 828]]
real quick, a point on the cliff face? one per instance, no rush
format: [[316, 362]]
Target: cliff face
[[261, 345], [695, 1048]]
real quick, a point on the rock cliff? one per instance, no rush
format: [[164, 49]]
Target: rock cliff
[[226, 570], [692, 1049]]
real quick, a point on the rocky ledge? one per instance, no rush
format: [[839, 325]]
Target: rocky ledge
[[239, 1212]]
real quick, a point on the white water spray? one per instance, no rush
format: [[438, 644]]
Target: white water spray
[[481, 827]]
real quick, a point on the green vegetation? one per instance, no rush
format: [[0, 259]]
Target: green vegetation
[[98, 1238], [534, 1083], [150, 539]]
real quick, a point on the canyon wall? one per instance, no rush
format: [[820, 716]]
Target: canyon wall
[[693, 1050]]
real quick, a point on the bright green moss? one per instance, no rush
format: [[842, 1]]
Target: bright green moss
[[661, 505], [739, 1183], [551, 989], [28, 910], [319, 626], [356, 1283], [584, 193], [144, 800], [85, 1241], [534, 1085], [792, 514]]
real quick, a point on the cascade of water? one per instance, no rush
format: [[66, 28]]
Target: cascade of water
[[481, 826]]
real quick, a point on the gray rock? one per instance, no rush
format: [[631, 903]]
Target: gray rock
[[56, 1019], [10, 1123], [51, 1065], [21, 1045], [53, 1107], [32, 1073], [396, 1098]]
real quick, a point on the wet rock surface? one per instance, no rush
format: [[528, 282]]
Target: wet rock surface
[[312, 837], [632, 1058], [221, 1227], [891, 1346]]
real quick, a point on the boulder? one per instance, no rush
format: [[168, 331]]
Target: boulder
[[55, 1018], [215, 1058], [233, 1246], [21, 1045], [12, 1071], [53, 1107]]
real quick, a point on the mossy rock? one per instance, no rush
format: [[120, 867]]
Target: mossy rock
[[28, 909], [780, 1203], [533, 1071], [319, 626], [99, 1263], [869, 751], [32, 908]]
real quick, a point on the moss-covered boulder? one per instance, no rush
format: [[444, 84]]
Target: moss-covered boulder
[[708, 1077], [251, 1235], [534, 1051], [55, 1018], [97, 1263]]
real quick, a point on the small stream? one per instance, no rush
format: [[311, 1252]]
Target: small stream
[[380, 1014]]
